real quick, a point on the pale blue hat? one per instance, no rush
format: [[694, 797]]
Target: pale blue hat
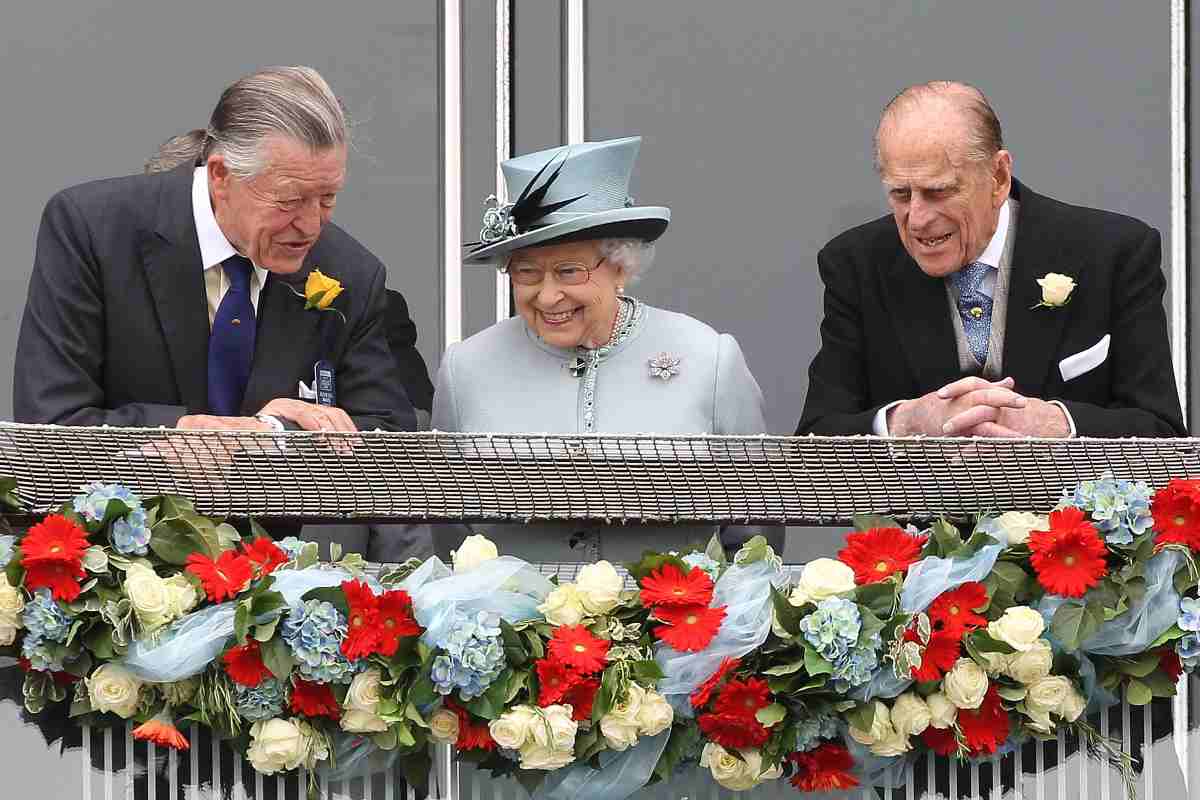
[[579, 191]]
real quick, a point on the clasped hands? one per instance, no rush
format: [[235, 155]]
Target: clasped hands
[[977, 407]]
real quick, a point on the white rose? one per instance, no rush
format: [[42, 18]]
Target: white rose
[[362, 704], [1019, 627], [1031, 665], [534, 756], [910, 714], [563, 606], [554, 728], [512, 728], [8, 631], [1040, 721], [148, 595], [1056, 288], [894, 744], [183, 594], [629, 706], [822, 578], [966, 684], [443, 726], [994, 663], [881, 727], [278, 745], [599, 587], [114, 688], [734, 773], [942, 712], [11, 605], [474, 550], [1073, 705], [1047, 695], [619, 732], [1015, 526], [655, 715]]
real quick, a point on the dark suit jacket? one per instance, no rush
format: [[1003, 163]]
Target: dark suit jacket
[[888, 335], [116, 327], [402, 338]]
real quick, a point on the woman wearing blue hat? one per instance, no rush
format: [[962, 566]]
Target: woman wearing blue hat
[[582, 356]]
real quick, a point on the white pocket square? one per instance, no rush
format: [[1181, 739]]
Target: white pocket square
[[1086, 360]]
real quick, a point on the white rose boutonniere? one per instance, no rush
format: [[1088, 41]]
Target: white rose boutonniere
[[1056, 290]]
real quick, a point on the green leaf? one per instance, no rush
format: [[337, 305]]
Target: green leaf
[[228, 538], [241, 621], [878, 597], [264, 632], [1013, 694], [404, 736], [416, 767], [278, 658], [945, 538], [1160, 684], [715, 550], [977, 541], [268, 604], [651, 561], [1169, 635], [1073, 624], [423, 692], [787, 615], [606, 695], [785, 669], [99, 641], [520, 680], [815, 663], [982, 641], [1139, 666], [8, 497], [752, 551], [871, 626], [862, 716], [683, 744], [865, 522], [1138, 693], [646, 671], [310, 554], [172, 541], [514, 645], [330, 594], [771, 715]]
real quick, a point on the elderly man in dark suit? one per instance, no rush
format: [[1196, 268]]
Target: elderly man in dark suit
[[170, 299], [981, 308]]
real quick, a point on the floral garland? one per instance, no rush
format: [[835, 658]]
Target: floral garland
[[909, 641]]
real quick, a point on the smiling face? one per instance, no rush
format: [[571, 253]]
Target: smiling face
[[275, 217], [946, 207], [567, 315]]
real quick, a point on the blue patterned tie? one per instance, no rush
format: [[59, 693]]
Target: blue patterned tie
[[974, 307], [231, 342]]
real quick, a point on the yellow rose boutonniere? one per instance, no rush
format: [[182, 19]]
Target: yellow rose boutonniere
[[320, 291], [1056, 290]]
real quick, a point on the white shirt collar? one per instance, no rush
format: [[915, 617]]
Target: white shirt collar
[[995, 249], [214, 247]]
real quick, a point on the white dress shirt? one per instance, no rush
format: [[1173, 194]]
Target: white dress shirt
[[215, 248]]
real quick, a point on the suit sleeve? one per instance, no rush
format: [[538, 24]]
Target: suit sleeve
[[738, 401], [837, 401], [369, 387], [1145, 400], [59, 370], [402, 339]]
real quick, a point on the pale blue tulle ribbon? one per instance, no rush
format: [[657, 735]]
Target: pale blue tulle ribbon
[[620, 774], [932, 575], [191, 643]]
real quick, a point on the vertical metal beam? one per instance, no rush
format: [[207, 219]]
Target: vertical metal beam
[[503, 128], [451, 101], [576, 107], [1179, 211]]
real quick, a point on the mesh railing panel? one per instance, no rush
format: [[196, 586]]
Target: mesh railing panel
[[516, 477]]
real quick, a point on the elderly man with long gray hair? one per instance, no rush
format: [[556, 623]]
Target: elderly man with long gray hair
[[176, 299]]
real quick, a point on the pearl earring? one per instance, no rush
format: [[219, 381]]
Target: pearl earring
[[620, 288]]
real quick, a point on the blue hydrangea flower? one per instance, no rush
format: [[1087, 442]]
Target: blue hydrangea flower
[[45, 623], [92, 505], [811, 731], [6, 549], [701, 560], [1189, 614], [290, 545], [833, 628], [472, 656], [1120, 508], [1188, 649], [855, 668], [314, 632], [264, 701], [130, 534]]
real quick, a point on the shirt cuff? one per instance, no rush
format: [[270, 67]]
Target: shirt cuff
[[879, 425], [1070, 419]]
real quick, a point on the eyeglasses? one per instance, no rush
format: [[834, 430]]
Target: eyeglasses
[[568, 273]]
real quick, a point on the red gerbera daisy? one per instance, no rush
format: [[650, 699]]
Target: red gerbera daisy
[[669, 586], [575, 646], [743, 697], [733, 731], [54, 540], [939, 656], [704, 691], [363, 633], [940, 740], [265, 554], [63, 580], [471, 735], [880, 553], [314, 699], [581, 697], [1176, 510], [245, 665], [688, 629], [554, 680], [162, 731], [824, 769], [955, 610], [985, 728], [395, 620], [1069, 558], [1169, 663], [222, 578]]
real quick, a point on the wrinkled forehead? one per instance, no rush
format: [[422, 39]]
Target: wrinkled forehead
[[291, 166]]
